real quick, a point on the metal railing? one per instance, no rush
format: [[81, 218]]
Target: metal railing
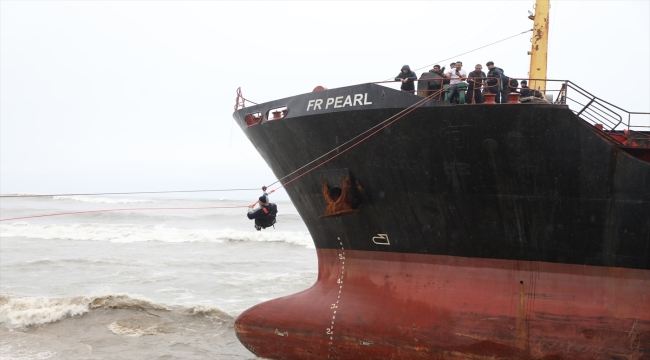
[[443, 84], [584, 104], [240, 101], [617, 117], [595, 110]]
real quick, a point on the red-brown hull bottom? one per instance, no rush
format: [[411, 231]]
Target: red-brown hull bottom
[[382, 305]]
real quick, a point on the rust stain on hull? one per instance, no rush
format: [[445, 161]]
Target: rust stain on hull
[[522, 319]]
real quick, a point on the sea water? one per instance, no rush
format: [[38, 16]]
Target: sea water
[[140, 284]]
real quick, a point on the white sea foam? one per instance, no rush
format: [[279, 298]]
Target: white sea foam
[[101, 200], [134, 331], [138, 233], [20, 312]]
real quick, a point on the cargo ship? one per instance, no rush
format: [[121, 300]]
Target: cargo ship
[[469, 231]]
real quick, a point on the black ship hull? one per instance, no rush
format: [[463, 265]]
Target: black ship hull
[[476, 231], [521, 182]]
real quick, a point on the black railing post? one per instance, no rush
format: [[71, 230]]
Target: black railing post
[[586, 106]]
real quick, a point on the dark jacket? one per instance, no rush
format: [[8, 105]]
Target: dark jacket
[[264, 218], [526, 91], [513, 84], [496, 73], [477, 82], [410, 75], [441, 73]]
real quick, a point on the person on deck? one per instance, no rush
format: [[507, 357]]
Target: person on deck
[[455, 77], [452, 66], [525, 90], [475, 81], [513, 84], [437, 85], [264, 215], [497, 75], [436, 70], [407, 77], [528, 92], [509, 86]]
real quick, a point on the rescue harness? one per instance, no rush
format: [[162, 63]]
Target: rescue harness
[[271, 222]]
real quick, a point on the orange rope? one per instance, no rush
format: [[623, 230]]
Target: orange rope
[[404, 113], [427, 99], [124, 209]]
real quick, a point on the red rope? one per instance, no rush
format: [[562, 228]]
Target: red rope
[[424, 101], [123, 193], [125, 209], [358, 142]]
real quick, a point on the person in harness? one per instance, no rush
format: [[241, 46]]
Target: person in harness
[[264, 215]]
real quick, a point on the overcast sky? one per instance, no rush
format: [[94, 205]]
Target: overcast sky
[[129, 96]]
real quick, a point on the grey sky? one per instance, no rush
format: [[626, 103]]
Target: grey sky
[[127, 96]]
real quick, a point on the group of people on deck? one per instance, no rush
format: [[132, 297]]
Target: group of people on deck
[[478, 82]]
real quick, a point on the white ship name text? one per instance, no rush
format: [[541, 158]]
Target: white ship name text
[[339, 102]]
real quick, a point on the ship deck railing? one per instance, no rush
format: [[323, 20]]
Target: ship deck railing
[[590, 108], [598, 111]]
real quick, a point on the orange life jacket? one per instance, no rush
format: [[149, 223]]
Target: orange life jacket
[[269, 216], [266, 211]]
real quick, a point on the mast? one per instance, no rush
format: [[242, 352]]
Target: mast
[[539, 49]]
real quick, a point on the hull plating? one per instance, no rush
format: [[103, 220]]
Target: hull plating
[[370, 305]]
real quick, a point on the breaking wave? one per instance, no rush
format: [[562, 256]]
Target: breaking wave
[[21, 312], [134, 233]]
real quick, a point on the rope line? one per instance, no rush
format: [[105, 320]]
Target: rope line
[[405, 112], [389, 119], [291, 173], [467, 52], [124, 209], [125, 193], [386, 123], [400, 113]]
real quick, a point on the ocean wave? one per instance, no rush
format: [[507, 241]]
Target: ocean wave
[[21, 312], [134, 233], [101, 200]]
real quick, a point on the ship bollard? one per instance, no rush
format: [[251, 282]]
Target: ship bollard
[[489, 98], [513, 98]]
